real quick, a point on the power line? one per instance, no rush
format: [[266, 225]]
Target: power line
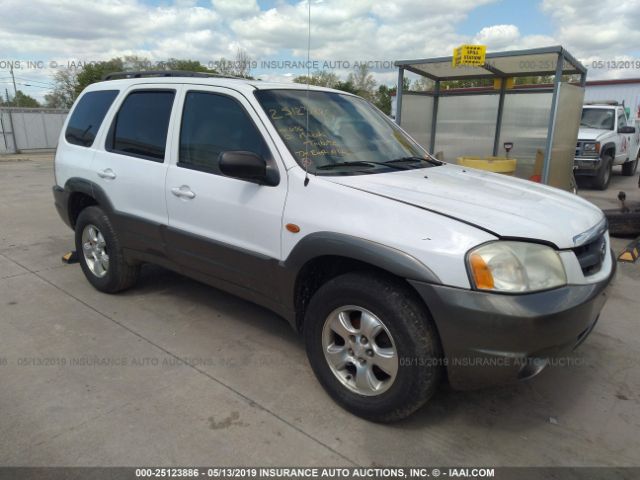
[[34, 81], [25, 85]]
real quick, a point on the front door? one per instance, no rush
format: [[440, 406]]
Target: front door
[[223, 227]]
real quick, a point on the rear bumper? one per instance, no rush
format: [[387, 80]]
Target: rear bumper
[[61, 201], [492, 338]]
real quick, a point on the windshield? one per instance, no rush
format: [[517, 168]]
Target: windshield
[[346, 135], [601, 118]]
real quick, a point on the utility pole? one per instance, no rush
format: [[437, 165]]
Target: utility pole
[[6, 95], [15, 90]]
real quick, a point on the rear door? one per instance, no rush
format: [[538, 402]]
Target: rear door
[[76, 147], [219, 226], [131, 167]]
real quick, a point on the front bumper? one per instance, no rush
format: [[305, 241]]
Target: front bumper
[[491, 338], [586, 165]]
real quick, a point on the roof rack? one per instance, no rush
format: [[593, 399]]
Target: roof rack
[[161, 73]]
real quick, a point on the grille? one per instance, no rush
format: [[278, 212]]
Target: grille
[[591, 255]]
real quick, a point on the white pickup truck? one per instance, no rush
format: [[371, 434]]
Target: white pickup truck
[[606, 138]]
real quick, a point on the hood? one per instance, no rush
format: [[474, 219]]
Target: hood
[[591, 133], [502, 205]]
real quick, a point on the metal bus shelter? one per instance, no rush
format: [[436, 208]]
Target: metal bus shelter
[[541, 120]]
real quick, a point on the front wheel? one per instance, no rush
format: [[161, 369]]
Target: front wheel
[[373, 346], [603, 177]]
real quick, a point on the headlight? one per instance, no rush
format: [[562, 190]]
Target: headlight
[[514, 267], [592, 147]]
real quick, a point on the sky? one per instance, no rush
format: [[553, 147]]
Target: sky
[[57, 34]]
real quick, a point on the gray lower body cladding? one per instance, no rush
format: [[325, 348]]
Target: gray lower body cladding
[[493, 338]]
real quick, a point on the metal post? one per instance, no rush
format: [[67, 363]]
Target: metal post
[[399, 94], [583, 79], [557, 79], [13, 131], [44, 129], [4, 134], [15, 90], [496, 139], [434, 117]]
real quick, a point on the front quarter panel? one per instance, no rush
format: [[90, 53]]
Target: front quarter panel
[[438, 242]]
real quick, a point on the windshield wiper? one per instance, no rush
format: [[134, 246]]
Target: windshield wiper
[[412, 158], [358, 163]]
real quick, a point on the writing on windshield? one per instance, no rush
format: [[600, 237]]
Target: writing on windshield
[[322, 129]]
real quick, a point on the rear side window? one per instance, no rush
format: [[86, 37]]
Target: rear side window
[[212, 124], [87, 117], [140, 127]]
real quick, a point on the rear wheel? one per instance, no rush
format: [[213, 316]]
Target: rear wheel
[[372, 345], [629, 168], [602, 179], [100, 252]]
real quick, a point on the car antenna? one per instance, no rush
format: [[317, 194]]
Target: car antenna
[[306, 130]]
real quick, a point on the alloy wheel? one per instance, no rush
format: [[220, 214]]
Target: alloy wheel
[[94, 249], [360, 350]]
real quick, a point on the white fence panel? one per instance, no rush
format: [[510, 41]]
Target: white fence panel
[[30, 128]]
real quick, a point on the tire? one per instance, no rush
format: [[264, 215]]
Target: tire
[[603, 177], [95, 237], [623, 224], [629, 168], [406, 328]]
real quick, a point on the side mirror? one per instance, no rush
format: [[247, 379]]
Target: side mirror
[[247, 166], [627, 129]]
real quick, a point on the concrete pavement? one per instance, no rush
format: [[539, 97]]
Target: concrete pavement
[[174, 372]]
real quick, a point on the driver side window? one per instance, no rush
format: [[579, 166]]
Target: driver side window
[[622, 121], [213, 124]]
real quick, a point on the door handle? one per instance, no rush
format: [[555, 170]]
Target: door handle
[[107, 173], [184, 192]]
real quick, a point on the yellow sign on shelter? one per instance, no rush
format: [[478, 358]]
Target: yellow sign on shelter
[[473, 55]]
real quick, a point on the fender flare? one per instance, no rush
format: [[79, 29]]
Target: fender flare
[[321, 244], [607, 146], [89, 188], [379, 255]]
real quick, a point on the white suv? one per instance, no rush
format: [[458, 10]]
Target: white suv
[[397, 268]]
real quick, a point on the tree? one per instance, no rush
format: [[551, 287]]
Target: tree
[[383, 98], [70, 83], [422, 84], [21, 99], [64, 92], [320, 78], [240, 67], [347, 86], [363, 82], [93, 72], [186, 65], [243, 64], [135, 63]]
